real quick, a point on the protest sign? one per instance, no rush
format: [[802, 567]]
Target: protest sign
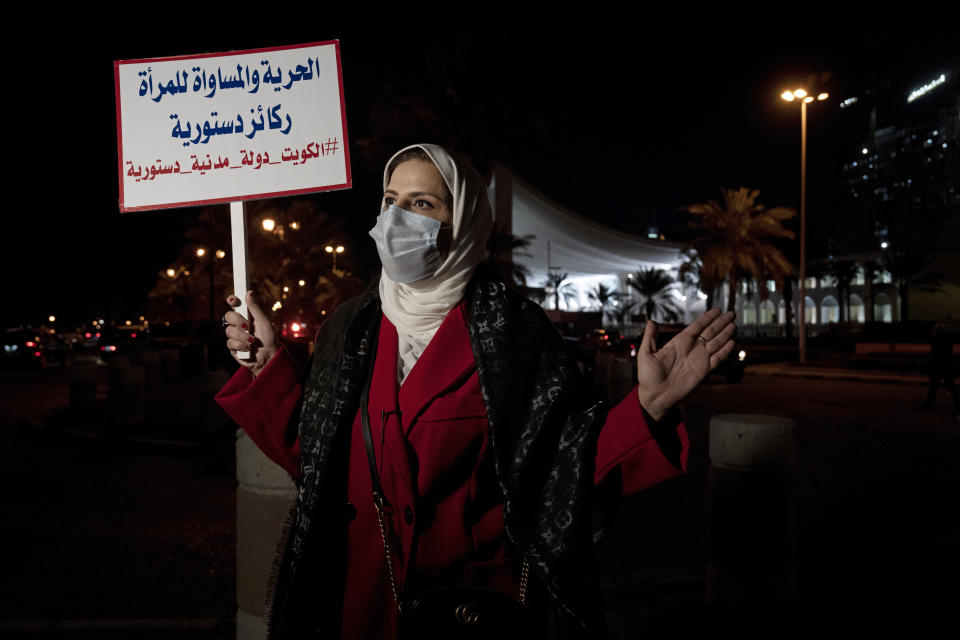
[[230, 127], [227, 127]]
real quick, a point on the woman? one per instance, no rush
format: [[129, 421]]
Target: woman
[[488, 451]]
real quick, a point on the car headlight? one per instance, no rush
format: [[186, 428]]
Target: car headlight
[[742, 355]]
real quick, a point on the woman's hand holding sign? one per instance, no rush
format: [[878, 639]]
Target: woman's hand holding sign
[[260, 338]]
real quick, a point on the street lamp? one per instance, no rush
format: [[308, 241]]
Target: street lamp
[[334, 251], [805, 99]]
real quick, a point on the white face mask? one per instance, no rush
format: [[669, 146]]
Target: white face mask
[[407, 244]]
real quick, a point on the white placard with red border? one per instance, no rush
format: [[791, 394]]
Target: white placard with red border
[[227, 127]]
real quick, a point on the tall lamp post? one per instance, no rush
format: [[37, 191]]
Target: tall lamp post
[[804, 98]]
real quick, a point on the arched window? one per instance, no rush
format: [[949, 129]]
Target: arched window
[[782, 312], [767, 312], [857, 310], [749, 312], [809, 310], [882, 308], [829, 310]]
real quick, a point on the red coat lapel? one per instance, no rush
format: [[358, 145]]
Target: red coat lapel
[[445, 361]]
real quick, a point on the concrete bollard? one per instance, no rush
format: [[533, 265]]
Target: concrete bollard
[[150, 361], [170, 365], [83, 385], [265, 494], [752, 513], [131, 395]]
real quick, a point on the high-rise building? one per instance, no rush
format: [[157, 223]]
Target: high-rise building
[[899, 166]]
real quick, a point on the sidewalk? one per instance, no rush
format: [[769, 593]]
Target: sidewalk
[[836, 373]]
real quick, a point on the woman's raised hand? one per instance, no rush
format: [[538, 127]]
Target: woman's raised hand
[[667, 376], [260, 339]]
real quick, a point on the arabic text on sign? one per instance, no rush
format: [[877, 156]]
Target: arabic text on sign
[[248, 158], [209, 81]]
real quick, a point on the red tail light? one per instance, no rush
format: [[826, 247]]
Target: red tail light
[[31, 343], [36, 353]]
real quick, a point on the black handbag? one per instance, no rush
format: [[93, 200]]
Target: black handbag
[[464, 613]]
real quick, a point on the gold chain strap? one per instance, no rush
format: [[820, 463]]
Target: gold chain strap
[[388, 560], [378, 503], [524, 577]]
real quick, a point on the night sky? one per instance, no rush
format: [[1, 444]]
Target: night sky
[[623, 115]]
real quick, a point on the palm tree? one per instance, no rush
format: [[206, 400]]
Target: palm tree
[[606, 299], [502, 247], [871, 274], [788, 281], [656, 288], [691, 273], [843, 271], [557, 284], [735, 241]]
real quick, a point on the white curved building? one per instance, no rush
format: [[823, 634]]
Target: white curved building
[[588, 252]]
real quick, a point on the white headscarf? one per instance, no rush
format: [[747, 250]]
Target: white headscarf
[[417, 309]]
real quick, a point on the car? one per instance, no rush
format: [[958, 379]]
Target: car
[[22, 350], [297, 330], [127, 341], [56, 351]]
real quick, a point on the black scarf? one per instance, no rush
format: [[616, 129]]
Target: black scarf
[[543, 432]]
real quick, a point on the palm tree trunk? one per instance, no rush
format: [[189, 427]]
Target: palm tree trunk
[[732, 296], [788, 307]]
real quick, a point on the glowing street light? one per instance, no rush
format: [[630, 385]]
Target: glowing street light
[[801, 319], [171, 273], [269, 224], [334, 251], [201, 252], [221, 253], [302, 282], [52, 319]]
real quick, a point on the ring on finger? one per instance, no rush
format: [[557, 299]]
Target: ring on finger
[[700, 339], [223, 321]]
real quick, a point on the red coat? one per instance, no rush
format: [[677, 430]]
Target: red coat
[[436, 469]]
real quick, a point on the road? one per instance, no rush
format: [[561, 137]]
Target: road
[[877, 525], [97, 531]]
